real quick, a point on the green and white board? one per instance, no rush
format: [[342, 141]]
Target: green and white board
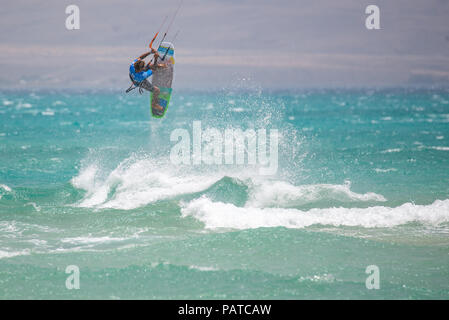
[[163, 77]]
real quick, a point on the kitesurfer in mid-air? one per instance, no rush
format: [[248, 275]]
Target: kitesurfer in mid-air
[[139, 74]]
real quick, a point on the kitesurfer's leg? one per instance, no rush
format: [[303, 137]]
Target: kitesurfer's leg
[[155, 101]]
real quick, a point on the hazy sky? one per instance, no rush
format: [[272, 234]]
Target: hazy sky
[[271, 44]]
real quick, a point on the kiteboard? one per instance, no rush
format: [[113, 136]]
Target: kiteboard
[[163, 78]]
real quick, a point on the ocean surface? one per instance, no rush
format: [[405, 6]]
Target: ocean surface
[[361, 179]]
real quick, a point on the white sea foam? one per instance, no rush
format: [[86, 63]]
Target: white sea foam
[[86, 179], [392, 150], [24, 105], [284, 194], [135, 183], [440, 148], [35, 206], [5, 187], [138, 182], [9, 227], [15, 229], [224, 215], [91, 240], [58, 103], [48, 112], [38, 242], [378, 170], [10, 254], [203, 268], [318, 278]]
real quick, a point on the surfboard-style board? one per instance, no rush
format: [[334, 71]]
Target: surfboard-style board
[[163, 77]]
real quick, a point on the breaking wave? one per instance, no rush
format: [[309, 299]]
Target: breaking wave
[[225, 215], [137, 182]]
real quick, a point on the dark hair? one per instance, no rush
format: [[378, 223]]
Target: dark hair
[[139, 64]]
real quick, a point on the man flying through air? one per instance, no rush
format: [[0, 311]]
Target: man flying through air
[[139, 74]]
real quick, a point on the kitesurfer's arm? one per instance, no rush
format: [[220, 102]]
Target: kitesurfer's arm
[[153, 67], [143, 56]]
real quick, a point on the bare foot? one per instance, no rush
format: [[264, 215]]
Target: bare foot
[[158, 107]]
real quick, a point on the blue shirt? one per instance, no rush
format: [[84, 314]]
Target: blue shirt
[[139, 76]]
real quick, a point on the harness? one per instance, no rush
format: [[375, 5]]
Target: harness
[[135, 85]]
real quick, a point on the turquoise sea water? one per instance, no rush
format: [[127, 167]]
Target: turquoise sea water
[[363, 179]]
